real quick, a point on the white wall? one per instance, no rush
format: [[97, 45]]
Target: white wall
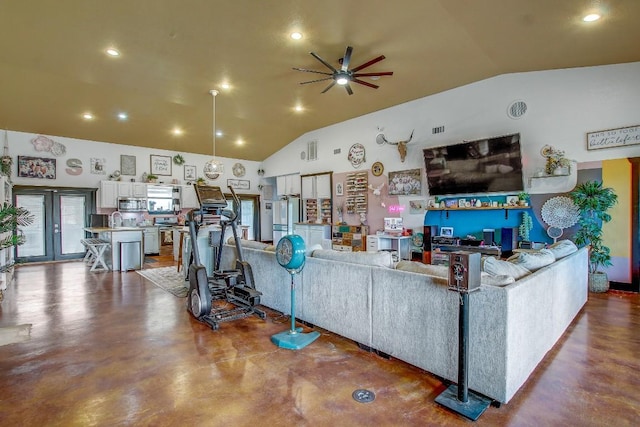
[[563, 105], [20, 145]]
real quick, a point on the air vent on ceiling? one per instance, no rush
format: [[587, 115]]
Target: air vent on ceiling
[[517, 109], [312, 151], [439, 129]]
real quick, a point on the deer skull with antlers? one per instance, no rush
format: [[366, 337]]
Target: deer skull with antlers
[[402, 145]]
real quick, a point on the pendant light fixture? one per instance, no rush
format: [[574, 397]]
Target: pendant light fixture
[[213, 168]]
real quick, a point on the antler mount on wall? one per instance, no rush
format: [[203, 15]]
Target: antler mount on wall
[[402, 145]]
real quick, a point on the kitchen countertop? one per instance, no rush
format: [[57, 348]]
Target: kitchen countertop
[[111, 230]]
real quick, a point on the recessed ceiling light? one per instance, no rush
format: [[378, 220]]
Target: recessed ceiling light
[[219, 133], [123, 116], [113, 52], [296, 35], [87, 116], [225, 85], [591, 17], [177, 131], [298, 108], [240, 141]]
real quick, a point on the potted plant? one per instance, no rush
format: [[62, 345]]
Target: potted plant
[[593, 202], [201, 181], [152, 178], [10, 218], [523, 198]]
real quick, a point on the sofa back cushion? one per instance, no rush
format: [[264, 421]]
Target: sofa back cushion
[[563, 248], [378, 259], [498, 267], [533, 261], [418, 267]]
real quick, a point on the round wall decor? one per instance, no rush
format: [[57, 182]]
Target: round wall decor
[[377, 168], [238, 170]]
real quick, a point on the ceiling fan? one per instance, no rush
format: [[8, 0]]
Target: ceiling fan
[[344, 75]]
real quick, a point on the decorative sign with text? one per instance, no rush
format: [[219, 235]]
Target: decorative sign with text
[[620, 137]]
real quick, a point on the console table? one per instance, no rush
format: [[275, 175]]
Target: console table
[[381, 242]]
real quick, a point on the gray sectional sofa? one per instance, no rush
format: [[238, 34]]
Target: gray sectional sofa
[[414, 317]]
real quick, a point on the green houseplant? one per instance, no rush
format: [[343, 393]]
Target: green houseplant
[[10, 218], [593, 202]]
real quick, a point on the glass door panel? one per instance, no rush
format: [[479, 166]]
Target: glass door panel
[[72, 217], [35, 241]]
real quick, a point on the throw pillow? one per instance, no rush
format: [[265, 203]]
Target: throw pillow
[[498, 267], [533, 261], [418, 267], [563, 248]]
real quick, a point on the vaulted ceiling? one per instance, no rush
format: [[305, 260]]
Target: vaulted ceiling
[[53, 66]]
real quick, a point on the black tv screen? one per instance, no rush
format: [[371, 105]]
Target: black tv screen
[[492, 165]]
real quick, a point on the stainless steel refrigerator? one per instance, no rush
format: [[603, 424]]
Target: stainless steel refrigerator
[[286, 212]]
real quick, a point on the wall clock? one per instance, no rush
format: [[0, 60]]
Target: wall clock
[[377, 168], [290, 252], [356, 155], [238, 170]]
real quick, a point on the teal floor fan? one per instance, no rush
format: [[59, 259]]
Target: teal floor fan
[[290, 254]]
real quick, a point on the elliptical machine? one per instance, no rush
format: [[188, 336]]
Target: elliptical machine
[[226, 295]]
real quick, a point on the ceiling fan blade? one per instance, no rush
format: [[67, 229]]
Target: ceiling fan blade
[[314, 81], [365, 83], [382, 73], [348, 88], [312, 71], [368, 64], [326, 64], [347, 58], [329, 87]]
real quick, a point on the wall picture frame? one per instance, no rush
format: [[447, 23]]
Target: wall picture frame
[[239, 184], [160, 165], [446, 231], [127, 165], [404, 183], [36, 167], [339, 189], [190, 173]]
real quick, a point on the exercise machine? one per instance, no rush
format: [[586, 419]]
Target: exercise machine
[[225, 295]]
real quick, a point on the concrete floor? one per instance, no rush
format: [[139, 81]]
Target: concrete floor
[[113, 349]]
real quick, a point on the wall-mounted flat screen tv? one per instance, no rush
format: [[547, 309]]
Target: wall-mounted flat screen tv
[[492, 165]]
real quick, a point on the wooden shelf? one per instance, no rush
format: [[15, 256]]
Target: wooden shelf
[[487, 208]]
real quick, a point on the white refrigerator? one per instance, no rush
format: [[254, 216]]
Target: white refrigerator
[[286, 212]]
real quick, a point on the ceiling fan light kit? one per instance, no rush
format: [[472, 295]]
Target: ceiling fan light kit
[[343, 75]]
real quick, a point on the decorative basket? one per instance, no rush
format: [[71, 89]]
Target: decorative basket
[[598, 282]]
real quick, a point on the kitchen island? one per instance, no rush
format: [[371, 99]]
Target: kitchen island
[[129, 238]]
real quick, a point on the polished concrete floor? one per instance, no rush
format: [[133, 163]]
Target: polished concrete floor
[[110, 349]]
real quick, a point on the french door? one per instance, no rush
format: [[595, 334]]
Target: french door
[[60, 216]]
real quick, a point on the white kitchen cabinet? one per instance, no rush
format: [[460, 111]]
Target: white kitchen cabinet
[[312, 234], [189, 197], [108, 196], [139, 189], [124, 189], [288, 185], [308, 187], [316, 196], [323, 186], [151, 237]]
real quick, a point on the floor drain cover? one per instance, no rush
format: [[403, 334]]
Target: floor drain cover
[[363, 396]]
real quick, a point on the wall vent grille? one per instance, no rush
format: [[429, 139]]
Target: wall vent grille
[[439, 129], [312, 150]]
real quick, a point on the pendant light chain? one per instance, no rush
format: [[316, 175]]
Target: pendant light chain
[[214, 93]]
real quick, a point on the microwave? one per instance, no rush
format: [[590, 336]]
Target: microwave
[[132, 205]]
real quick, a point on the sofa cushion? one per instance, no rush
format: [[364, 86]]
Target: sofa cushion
[[498, 267], [491, 280], [563, 248], [379, 259], [533, 261], [253, 244], [418, 267]]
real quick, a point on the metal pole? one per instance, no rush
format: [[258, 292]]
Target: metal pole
[[463, 340], [293, 307]]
